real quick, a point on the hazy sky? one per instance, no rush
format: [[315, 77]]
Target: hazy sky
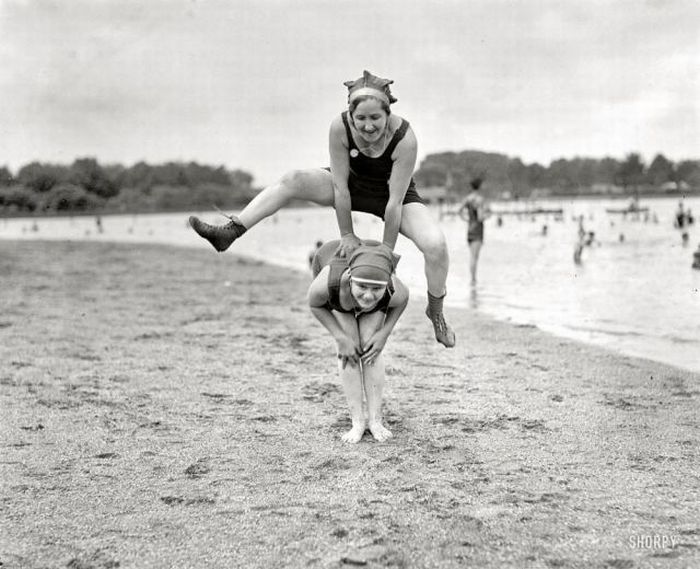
[[254, 84]]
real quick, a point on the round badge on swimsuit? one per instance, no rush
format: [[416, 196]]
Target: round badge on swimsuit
[[354, 153]]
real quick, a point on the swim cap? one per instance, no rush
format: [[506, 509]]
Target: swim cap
[[373, 263], [370, 85]]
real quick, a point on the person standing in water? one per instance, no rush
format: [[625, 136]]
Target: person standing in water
[[358, 299], [372, 158], [313, 252], [474, 212]]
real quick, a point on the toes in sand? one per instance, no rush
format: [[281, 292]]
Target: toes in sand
[[379, 431], [355, 434]]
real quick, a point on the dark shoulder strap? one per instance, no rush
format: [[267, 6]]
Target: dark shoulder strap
[[383, 305], [351, 141], [336, 268], [398, 136]]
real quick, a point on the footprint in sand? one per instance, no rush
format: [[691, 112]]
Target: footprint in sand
[[198, 469], [318, 392], [179, 500], [532, 425], [619, 563], [556, 397], [37, 427], [106, 455], [98, 559]]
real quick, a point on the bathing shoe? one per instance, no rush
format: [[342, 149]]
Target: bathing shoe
[[443, 333], [220, 236]]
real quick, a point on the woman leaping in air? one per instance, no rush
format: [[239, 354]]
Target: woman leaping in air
[[372, 159]]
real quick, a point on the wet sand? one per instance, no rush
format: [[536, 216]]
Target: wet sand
[[169, 407]]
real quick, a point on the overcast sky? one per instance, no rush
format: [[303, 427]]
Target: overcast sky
[[254, 84]]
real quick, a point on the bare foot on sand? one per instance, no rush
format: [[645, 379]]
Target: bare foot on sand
[[355, 434], [379, 431]]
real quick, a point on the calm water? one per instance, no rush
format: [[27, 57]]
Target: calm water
[[638, 296]]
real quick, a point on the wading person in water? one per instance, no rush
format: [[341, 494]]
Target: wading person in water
[[358, 300], [372, 156], [474, 212]]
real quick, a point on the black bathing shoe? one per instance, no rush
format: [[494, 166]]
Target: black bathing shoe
[[220, 236], [443, 333]]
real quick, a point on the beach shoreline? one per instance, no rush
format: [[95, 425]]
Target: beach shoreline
[[167, 406], [586, 302]]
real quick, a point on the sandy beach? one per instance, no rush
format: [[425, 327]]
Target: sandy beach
[[170, 407]]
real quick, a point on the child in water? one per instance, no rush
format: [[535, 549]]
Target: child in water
[[359, 300]]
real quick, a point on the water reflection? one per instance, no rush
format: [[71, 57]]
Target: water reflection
[[474, 298]]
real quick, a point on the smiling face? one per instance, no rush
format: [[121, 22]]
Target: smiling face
[[370, 118], [367, 295]]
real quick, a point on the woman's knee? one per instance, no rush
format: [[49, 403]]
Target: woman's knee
[[433, 245], [293, 181], [312, 185]]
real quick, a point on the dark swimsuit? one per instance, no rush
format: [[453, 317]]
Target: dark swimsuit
[[326, 256], [368, 181], [475, 227]]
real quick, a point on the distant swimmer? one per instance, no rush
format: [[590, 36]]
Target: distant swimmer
[[680, 220], [313, 252], [696, 258], [581, 241], [474, 211]]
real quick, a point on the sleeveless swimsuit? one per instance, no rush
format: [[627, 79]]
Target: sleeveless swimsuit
[[326, 256], [475, 227], [368, 181]]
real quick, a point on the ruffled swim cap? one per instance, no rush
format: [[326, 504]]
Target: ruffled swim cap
[[371, 85], [374, 263]]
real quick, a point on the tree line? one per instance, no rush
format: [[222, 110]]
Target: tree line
[[87, 186], [504, 175]]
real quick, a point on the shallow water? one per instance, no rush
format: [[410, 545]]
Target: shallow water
[[638, 296]]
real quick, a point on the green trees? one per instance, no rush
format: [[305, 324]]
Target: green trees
[[6, 178], [506, 176], [89, 175], [660, 171], [86, 185], [630, 174], [41, 177], [15, 199], [68, 197]]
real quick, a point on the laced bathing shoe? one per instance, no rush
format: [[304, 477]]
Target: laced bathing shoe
[[443, 333], [220, 236]]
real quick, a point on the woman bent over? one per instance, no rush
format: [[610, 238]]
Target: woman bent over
[[372, 158], [358, 300]]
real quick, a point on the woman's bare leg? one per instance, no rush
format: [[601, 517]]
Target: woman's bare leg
[[374, 379], [314, 185], [418, 225], [474, 250], [353, 387]]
